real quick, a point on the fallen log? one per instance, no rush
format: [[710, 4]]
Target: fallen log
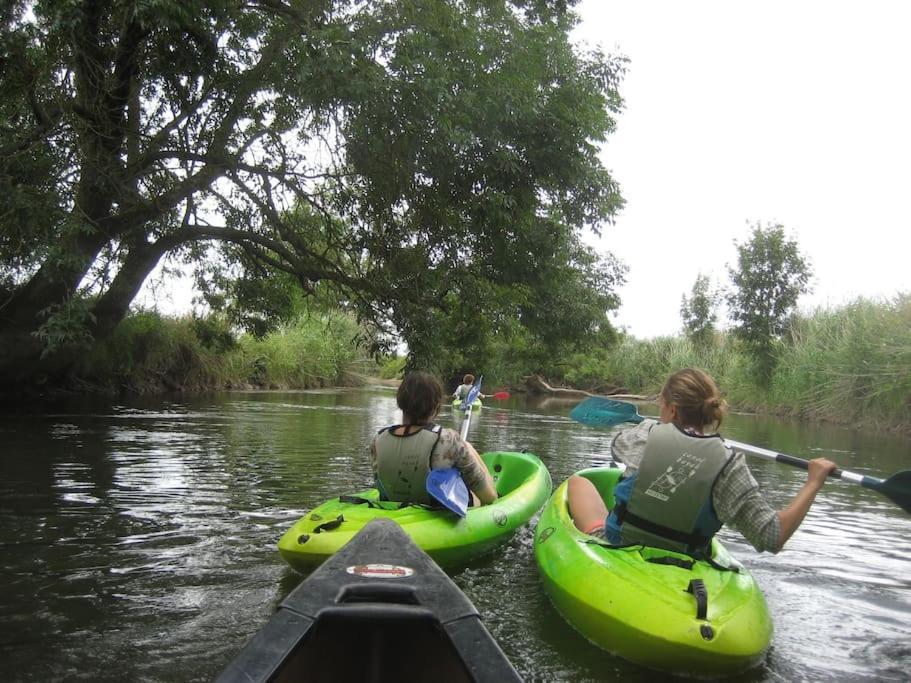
[[537, 385]]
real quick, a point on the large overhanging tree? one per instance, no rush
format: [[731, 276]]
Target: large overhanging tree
[[396, 151]]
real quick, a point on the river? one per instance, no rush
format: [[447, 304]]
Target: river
[[139, 539]]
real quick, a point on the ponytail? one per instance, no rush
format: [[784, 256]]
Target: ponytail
[[697, 399]]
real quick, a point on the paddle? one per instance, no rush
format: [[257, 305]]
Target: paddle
[[446, 486], [466, 405], [607, 412], [501, 395]]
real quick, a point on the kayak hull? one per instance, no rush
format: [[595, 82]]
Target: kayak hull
[[474, 404], [641, 610], [380, 609], [523, 484]]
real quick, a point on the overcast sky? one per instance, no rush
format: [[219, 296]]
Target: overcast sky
[[793, 112]]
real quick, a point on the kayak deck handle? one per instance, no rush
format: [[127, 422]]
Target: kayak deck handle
[[697, 588]]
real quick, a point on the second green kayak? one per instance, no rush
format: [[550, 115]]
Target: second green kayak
[[523, 485], [654, 607]]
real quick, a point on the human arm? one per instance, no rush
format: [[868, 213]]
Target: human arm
[[628, 446], [453, 451], [484, 489], [373, 457], [740, 503], [790, 517]]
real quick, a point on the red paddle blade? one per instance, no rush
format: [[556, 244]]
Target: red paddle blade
[[501, 395]]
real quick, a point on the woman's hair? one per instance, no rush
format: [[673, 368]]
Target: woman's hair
[[696, 397], [420, 396], [468, 379]]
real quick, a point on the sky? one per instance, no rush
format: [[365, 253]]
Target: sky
[[796, 113]]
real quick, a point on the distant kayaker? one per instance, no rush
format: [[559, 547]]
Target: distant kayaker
[[462, 390], [403, 455], [682, 483]]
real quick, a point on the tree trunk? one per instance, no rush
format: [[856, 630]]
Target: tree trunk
[[113, 305]]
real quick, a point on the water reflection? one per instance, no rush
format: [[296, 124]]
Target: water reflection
[[151, 527]]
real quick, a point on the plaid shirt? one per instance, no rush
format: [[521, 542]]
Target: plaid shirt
[[736, 497]]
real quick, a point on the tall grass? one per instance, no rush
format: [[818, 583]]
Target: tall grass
[[852, 364], [313, 351], [848, 365], [150, 353]]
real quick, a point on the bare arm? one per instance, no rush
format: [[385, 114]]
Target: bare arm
[[486, 491], [453, 451], [790, 517]]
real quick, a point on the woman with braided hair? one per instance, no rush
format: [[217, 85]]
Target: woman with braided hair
[[682, 483]]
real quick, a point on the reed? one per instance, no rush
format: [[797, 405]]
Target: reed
[[151, 353], [847, 365], [313, 351], [853, 364]]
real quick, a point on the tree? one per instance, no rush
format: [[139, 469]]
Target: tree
[[431, 143], [564, 313], [770, 276], [699, 311]]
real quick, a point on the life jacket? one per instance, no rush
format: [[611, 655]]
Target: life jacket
[[403, 463], [670, 505], [462, 391]]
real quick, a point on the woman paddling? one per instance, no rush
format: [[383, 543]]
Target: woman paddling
[[682, 483], [403, 455], [462, 390]]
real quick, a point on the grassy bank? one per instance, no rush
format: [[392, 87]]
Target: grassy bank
[[848, 365], [150, 353]]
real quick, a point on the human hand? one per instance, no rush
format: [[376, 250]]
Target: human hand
[[818, 470]]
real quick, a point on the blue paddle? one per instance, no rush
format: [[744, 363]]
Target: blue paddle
[[608, 412], [447, 488]]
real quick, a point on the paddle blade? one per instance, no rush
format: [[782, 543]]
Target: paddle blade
[[897, 488], [604, 412], [501, 395], [448, 489]]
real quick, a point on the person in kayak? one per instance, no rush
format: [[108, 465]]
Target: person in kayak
[[682, 483], [462, 390], [402, 455]]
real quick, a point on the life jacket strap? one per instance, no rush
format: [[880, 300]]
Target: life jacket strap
[[673, 561], [690, 540]]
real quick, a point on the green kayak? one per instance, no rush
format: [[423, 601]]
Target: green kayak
[[644, 604], [474, 404], [522, 482]]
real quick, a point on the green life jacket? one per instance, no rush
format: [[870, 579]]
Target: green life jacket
[[670, 505], [462, 392], [403, 463]]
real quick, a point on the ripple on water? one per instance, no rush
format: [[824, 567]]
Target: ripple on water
[[155, 530]]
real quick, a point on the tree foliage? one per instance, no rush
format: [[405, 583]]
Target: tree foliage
[[770, 276], [435, 148], [699, 311]]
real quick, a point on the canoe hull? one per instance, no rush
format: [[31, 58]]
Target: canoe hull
[[380, 609]]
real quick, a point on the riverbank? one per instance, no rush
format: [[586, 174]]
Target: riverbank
[[849, 366]]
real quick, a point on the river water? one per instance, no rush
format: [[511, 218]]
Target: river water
[[138, 540]]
